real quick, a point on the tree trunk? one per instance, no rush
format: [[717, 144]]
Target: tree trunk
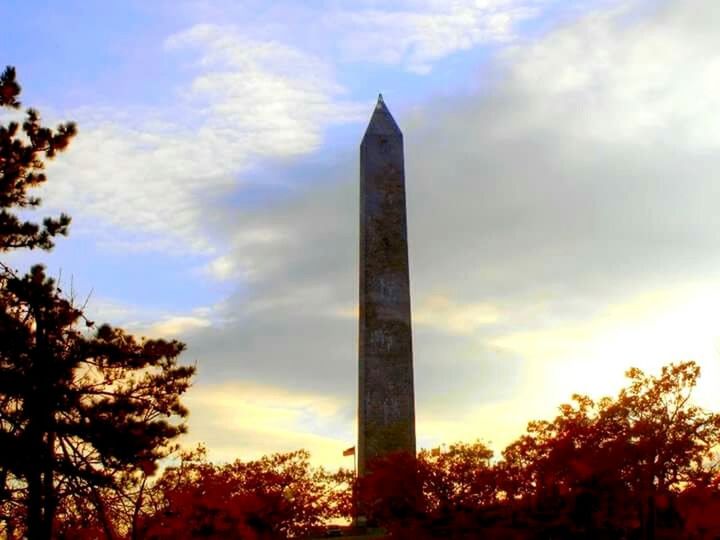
[[650, 530], [40, 460], [102, 514], [49, 495], [34, 518], [138, 506]]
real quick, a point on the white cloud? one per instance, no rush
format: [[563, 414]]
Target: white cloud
[[174, 327], [151, 322], [624, 77], [411, 34], [155, 172], [220, 268], [254, 247], [415, 34], [270, 98]]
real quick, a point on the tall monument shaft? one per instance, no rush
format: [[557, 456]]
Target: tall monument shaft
[[386, 416]]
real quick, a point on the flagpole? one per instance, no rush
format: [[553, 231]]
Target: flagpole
[[353, 450], [355, 488]]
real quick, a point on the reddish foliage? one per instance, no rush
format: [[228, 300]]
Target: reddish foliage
[[390, 492], [699, 507], [602, 469], [274, 497]]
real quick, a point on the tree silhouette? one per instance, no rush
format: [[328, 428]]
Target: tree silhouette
[[79, 412], [22, 154], [85, 411]]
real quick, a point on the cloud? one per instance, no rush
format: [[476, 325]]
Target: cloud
[[256, 246], [243, 420], [626, 77], [173, 327], [413, 35], [416, 34], [550, 249], [220, 268], [266, 97], [154, 323], [438, 311], [153, 172]]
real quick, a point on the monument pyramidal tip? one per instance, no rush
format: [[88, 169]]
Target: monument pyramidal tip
[[386, 405], [382, 122]]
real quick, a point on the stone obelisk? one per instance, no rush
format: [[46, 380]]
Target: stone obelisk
[[386, 416]]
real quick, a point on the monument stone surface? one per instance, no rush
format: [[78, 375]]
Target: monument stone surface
[[386, 415]]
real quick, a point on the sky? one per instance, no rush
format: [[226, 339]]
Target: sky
[[561, 183]]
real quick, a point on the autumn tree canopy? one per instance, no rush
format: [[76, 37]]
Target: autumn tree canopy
[[276, 496], [625, 466]]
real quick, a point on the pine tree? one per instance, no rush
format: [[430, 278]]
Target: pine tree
[[84, 410], [22, 154]]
